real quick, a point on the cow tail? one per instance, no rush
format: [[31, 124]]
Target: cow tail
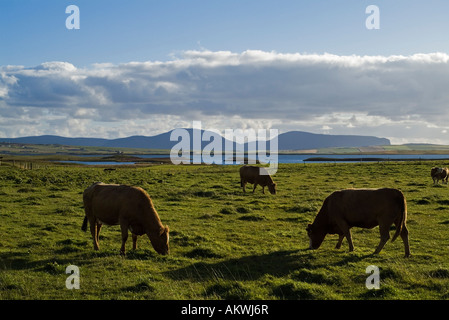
[[84, 226], [403, 218]]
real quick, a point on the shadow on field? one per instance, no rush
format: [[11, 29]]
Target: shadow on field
[[15, 261], [279, 263], [23, 261]]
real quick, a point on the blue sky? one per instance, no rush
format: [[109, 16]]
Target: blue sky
[[226, 63], [119, 31]]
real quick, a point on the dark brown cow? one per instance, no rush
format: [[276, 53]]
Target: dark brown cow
[[364, 208], [131, 207], [257, 176], [438, 174]]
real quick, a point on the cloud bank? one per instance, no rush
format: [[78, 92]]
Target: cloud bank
[[404, 98]]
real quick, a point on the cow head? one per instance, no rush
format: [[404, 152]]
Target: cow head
[[316, 236], [160, 241], [272, 188]]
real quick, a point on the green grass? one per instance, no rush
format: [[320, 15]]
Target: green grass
[[224, 244]]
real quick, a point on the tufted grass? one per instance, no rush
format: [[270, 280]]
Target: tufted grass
[[223, 244]]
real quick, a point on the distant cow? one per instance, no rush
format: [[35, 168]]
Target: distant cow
[[438, 174], [257, 176], [131, 207], [364, 208]]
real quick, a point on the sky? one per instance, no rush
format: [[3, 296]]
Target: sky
[[146, 67]]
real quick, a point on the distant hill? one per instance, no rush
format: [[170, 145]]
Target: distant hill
[[293, 140], [49, 139], [299, 140]]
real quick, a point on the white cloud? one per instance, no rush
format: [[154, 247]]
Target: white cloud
[[375, 95]]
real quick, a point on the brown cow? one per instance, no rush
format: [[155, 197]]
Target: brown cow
[[364, 208], [131, 207], [256, 175], [438, 174]]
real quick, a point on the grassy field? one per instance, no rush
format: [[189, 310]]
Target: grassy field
[[223, 244]]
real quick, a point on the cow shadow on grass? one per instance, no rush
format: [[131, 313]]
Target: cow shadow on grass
[[253, 267], [15, 260]]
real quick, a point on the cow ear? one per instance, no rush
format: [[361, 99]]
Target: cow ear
[[164, 230]]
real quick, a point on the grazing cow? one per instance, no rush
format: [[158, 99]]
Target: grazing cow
[[256, 175], [438, 174], [364, 208], [131, 207]]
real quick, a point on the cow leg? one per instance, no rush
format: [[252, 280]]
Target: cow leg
[[384, 236], [98, 232], [404, 236], [93, 231], [124, 229], [243, 184], [134, 241], [263, 189], [349, 238], [340, 240], [255, 185], [346, 232]]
